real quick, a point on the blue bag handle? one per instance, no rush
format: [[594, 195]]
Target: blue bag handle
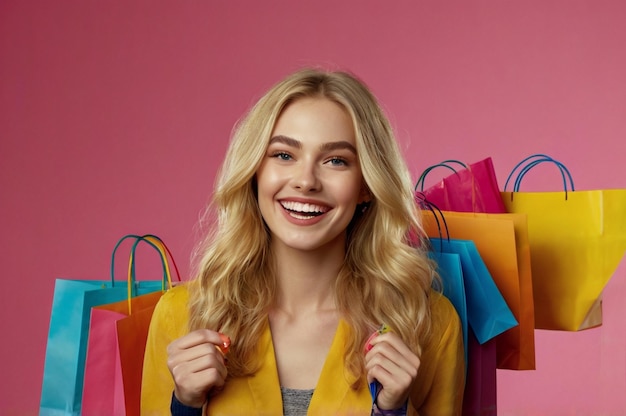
[[445, 164], [425, 203], [138, 238], [528, 163]]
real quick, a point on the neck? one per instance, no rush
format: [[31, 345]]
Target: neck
[[306, 280]]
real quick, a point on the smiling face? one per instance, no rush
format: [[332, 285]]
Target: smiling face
[[310, 182]]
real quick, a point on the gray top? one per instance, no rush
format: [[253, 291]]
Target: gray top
[[295, 401]]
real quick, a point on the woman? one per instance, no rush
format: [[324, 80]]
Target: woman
[[308, 258]]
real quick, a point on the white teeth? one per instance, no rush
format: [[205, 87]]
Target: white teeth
[[301, 217], [303, 208]]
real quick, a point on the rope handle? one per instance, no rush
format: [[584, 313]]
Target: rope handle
[[445, 164], [163, 248], [156, 243], [530, 162], [426, 204], [160, 246]]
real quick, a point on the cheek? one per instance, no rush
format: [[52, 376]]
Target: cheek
[[266, 180], [267, 183], [353, 190]]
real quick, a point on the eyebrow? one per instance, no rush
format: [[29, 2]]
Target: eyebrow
[[329, 146]]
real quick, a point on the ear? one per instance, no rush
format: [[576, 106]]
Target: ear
[[365, 196]]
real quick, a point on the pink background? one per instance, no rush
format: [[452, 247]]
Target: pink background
[[114, 116]]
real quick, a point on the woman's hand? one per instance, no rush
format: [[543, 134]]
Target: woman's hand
[[395, 367], [197, 365]]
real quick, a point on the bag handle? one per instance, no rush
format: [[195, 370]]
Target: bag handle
[[445, 164], [562, 168], [160, 246], [424, 203], [163, 248], [531, 161], [117, 245]]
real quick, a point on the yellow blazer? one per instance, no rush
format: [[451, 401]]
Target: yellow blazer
[[438, 389]]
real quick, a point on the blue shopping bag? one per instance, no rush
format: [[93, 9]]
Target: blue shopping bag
[[488, 314], [66, 348], [450, 271]]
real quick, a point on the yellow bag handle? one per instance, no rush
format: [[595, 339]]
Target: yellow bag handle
[[163, 250]]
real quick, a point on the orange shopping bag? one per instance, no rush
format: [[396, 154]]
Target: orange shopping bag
[[502, 241]]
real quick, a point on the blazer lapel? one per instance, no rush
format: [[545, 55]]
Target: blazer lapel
[[333, 393], [264, 385]]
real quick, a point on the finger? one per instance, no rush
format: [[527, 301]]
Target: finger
[[392, 362], [194, 352], [196, 378], [197, 359], [393, 340], [206, 370], [394, 349], [198, 337], [395, 384], [381, 369]]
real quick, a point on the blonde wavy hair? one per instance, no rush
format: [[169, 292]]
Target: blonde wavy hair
[[384, 278]]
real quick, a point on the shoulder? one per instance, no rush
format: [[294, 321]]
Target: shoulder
[[175, 300], [177, 296], [441, 308], [445, 322], [172, 311]]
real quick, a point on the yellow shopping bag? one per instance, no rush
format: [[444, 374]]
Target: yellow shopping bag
[[577, 240]]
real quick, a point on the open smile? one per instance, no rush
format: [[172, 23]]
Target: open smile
[[303, 211]]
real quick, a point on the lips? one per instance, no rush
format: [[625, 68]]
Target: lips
[[302, 210]]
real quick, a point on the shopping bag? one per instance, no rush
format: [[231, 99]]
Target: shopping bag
[[577, 240], [66, 348], [502, 241], [469, 188], [488, 314], [481, 395], [116, 345], [480, 359], [450, 270]]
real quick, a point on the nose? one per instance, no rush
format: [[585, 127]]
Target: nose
[[306, 178]]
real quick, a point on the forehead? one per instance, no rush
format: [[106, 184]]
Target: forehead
[[316, 118]]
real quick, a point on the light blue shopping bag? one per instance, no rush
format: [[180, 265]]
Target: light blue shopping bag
[[488, 314], [451, 273]]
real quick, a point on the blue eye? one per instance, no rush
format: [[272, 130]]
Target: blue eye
[[282, 156], [337, 161]]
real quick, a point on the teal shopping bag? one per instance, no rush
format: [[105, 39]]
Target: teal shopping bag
[[66, 348], [450, 271], [488, 314]]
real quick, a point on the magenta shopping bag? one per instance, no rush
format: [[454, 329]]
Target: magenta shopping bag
[[480, 397], [469, 188]]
